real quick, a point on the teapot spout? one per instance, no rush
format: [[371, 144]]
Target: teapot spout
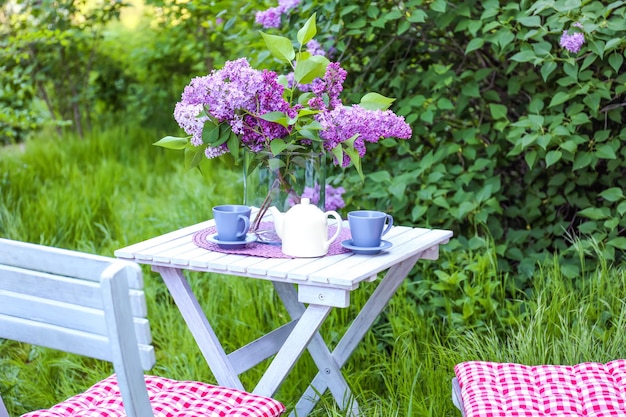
[[278, 220]]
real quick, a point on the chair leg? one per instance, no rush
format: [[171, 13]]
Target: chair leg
[[3, 409]]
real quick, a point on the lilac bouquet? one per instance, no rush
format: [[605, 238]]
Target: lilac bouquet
[[239, 107]]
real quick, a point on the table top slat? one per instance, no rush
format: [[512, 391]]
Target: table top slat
[[361, 267], [130, 252], [176, 249]]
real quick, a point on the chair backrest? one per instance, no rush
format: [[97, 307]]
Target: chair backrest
[[80, 303]]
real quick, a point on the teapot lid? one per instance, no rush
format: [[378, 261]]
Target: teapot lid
[[305, 200]]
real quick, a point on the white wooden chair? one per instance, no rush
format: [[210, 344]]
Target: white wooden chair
[[94, 306]]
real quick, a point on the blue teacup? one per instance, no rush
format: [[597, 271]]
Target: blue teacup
[[232, 222], [367, 227]]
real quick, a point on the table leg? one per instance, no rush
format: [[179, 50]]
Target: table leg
[[330, 372], [296, 343], [355, 333], [199, 326]]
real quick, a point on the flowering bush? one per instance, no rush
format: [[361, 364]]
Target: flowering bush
[[239, 107]]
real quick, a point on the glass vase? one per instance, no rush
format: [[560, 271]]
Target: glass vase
[[281, 181]]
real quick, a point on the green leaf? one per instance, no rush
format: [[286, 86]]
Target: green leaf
[[593, 213], [337, 152], [309, 134], [530, 157], [612, 194], [397, 188], [403, 26], [612, 43], [211, 134], [353, 154], [553, 157], [588, 227], [474, 44], [417, 16], [616, 60], [524, 56], [569, 145], [559, 98], [276, 117], [193, 157], [280, 47], [445, 104], [547, 68], [375, 101], [498, 111], [618, 242], [605, 151], [582, 160], [172, 142], [277, 146], [308, 31], [597, 46], [309, 69], [530, 21], [439, 6], [233, 145]]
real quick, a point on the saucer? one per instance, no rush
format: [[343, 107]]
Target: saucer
[[361, 250], [232, 244]]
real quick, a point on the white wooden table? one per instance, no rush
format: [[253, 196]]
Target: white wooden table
[[309, 288]]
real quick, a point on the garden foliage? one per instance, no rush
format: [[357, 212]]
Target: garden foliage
[[515, 138], [52, 70]]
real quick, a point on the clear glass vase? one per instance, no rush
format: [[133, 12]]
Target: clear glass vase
[[281, 181]]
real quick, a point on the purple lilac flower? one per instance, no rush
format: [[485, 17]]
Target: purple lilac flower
[[186, 114], [331, 85], [269, 98], [314, 48], [334, 196], [573, 42], [236, 94], [270, 18], [343, 123]]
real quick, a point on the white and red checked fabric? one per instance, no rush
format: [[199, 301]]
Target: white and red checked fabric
[[590, 389], [169, 398]]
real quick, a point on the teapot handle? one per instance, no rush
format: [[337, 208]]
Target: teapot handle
[[339, 226]]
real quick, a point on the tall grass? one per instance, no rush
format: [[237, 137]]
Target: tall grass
[[114, 189]]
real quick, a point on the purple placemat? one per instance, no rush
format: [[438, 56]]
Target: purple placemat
[[264, 250]]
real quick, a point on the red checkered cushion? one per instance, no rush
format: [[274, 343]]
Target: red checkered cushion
[[169, 398], [510, 390]]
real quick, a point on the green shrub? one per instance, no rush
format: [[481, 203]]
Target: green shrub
[[516, 139]]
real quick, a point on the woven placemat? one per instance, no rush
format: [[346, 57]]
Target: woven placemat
[[264, 250]]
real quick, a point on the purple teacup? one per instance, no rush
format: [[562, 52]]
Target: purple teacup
[[232, 222], [367, 227]]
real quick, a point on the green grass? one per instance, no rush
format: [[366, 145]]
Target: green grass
[[114, 189]]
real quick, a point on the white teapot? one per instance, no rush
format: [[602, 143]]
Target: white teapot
[[303, 229]]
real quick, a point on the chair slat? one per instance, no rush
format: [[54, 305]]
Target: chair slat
[[67, 340], [57, 261], [62, 288], [62, 315]]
